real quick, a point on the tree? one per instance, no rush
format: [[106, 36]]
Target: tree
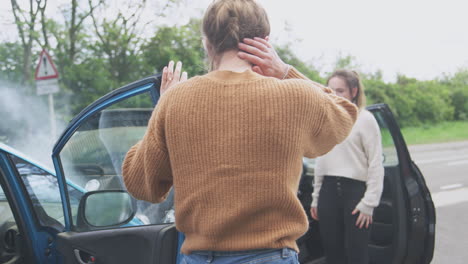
[[420, 102], [182, 43], [26, 24], [10, 66], [458, 87], [120, 38], [377, 91], [346, 62], [289, 57], [75, 24]]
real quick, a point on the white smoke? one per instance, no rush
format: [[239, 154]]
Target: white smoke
[[25, 123]]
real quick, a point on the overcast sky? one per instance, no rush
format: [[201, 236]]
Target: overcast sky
[[418, 38]]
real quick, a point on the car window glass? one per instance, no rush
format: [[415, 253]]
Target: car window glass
[[7, 224], [6, 215], [92, 158], [44, 192], [390, 157]]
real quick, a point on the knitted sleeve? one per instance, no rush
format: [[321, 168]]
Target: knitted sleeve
[[146, 169], [334, 122], [375, 172], [330, 117]]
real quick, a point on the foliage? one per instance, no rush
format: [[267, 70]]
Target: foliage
[[175, 43], [95, 55], [288, 56], [440, 132], [416, 102], [10, 66], [458, 86]]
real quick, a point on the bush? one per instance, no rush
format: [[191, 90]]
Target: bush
[[413, 102]]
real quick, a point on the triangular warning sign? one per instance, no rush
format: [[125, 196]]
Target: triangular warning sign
[[45, 68]]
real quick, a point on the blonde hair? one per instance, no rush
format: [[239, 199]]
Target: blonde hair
[[353, 80], [228, 22]]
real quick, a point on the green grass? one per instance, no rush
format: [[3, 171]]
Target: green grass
[[437, 133]]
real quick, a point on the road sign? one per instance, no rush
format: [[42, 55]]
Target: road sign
[[45, 69], [49, 86], [47, 83], [46, 75]]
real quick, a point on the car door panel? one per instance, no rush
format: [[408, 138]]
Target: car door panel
[[388, 232], [427, 214], [419, 223], [155, 244]]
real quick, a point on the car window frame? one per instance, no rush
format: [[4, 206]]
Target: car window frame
[[57, 226], [15, 206], [150, 84]]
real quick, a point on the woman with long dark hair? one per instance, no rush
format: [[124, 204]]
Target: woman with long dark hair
[[348, 181]]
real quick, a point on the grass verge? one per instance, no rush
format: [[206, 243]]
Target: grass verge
[[438, 133]]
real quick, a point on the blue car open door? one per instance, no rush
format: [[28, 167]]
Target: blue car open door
[[107, 225]]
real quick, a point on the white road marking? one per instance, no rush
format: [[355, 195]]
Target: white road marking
[[453, 158], [446, 198], [453, 163], [451, 186]]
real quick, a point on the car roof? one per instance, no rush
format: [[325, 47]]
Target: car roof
[[19, 154]]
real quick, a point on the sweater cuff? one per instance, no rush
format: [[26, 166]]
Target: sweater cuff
[[314, 203], [365, 209], [294, 74]]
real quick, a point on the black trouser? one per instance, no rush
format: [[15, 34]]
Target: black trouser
[[342, 240]]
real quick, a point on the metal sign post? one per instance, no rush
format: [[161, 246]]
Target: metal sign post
[[47, 83]]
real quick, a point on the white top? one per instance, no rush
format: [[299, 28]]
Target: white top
[[359, 157]]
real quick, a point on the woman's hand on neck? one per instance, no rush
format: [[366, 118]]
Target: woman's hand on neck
[[229, 61]]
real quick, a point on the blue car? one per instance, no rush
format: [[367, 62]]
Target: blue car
[[81, 213]]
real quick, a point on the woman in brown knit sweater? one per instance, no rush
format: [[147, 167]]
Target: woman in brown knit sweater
[[231, 143]]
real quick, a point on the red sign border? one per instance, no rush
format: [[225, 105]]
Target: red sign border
[[55, 76]]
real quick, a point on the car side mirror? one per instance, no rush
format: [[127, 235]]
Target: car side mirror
[[105, 209]]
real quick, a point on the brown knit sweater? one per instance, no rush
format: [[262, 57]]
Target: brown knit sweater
[[232, 146]]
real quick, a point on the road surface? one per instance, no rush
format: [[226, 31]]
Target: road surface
[[445, 168]]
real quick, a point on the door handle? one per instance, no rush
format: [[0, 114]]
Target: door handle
[[91, 259]]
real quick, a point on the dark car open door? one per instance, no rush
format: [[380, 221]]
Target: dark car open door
[[404, 223], [403, 230], [89, 155]]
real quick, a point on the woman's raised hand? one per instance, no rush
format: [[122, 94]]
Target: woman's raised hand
[[171, 77], [263, 56]]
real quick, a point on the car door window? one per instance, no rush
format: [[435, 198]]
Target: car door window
[[92, 157], [44, 192], [6, 215], [390, 157], [7, 225]]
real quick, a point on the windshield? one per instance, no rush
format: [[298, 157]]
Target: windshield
[[44, 192]]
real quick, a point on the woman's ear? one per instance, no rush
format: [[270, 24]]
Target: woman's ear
[[267, 38], [205, 43], [207, 46]]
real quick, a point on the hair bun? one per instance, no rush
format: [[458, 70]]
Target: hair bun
[[227, 22]]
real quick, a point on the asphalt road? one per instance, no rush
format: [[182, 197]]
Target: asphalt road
[[445, 168]]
